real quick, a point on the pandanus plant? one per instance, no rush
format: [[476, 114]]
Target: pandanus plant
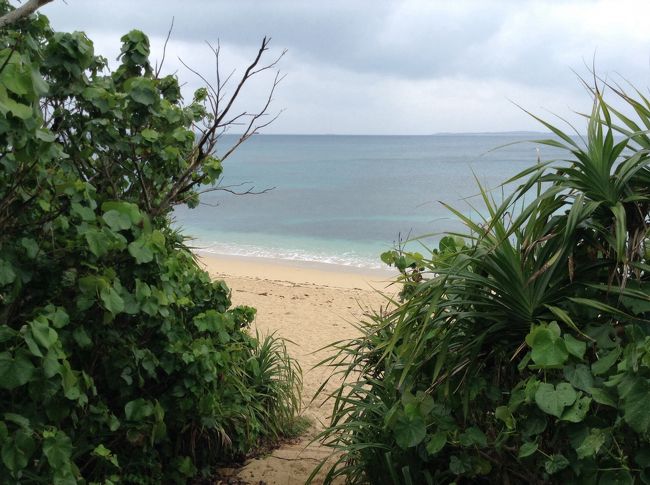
[[452, 382]]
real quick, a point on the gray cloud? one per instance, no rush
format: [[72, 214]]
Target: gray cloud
[[396, 66]]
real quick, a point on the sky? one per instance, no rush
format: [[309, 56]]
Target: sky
[[384, 67]]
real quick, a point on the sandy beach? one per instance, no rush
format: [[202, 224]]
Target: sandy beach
[[312, 305]]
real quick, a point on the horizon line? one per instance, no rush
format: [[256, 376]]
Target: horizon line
[[441, 133]]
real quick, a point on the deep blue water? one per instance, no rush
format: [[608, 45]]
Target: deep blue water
[[345, 199]]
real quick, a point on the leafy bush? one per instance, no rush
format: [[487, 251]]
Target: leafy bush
[[120, 360], [521, 350]]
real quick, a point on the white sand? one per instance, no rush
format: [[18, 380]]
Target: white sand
[[313, 306]]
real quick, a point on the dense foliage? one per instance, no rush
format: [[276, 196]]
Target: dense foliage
[[120, 359], [521, 350]]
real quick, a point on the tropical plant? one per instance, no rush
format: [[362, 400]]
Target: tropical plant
[[120, 359], [521, 349]]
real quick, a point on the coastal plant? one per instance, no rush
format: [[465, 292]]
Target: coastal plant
[[520, 349], [121, 360]]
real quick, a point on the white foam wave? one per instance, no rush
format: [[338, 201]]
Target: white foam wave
[[348, 258]]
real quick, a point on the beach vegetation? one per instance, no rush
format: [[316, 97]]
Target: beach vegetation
[[519, 351], [121, 360]]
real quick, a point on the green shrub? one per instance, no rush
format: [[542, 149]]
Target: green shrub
[[521, 350], [120, 360]]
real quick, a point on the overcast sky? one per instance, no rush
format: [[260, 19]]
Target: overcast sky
[[391, 67]]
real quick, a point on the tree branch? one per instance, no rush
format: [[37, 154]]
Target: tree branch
[[23, 11], [220, 120], [162, 61]]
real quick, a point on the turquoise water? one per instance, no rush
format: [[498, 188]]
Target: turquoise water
[[345, 199]]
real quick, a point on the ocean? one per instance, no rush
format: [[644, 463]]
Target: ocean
[[343, 200]]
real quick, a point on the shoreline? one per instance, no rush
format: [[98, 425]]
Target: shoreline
[[295, 271]]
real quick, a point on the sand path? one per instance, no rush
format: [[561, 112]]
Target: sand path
[[311, 307]]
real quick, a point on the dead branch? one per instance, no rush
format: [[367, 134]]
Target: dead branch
[[221, 104], [231, 189], [23, 11], [162, 61]]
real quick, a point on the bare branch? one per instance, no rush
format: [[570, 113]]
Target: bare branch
[[221, 120], [216, 52], [247, 74], [200, 76], [252, 127], [231, 189], [162, 61], [271, 65], [23, 11]]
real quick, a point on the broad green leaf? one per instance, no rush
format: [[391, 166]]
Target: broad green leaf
[[30, 246], [81, 337], [143, 291], [504, 414], [591, 444], [70, 382], [547, 348], [141, 90], [45, 335], [92, 284], [51, 365], [575, 347], [616, 477], [57, 447], [579, 376], [555, 463], [437, 442], [578, 411], [427, 403], [138, 409], [19, 420], [112, 301], [32, 345], [59, 317], [45, 135], [210, 321], [16, 79], [604, 336], [601, 396], [98, 242], [157, 239], [7, 274], [86, 213], [473, 437], [149, 134], [125, 208], [409, 431], [19, 110], [213, 168], [17, 451], [103, 452], [186, 466], [527, 449], [458, 465], [7, 333], [181, 134], [15, 370], [635, 405], [141, 251], [552, 400], [604, 363], [118, 221]]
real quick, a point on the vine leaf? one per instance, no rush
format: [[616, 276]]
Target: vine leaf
[[15, 370], [552, 400]]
